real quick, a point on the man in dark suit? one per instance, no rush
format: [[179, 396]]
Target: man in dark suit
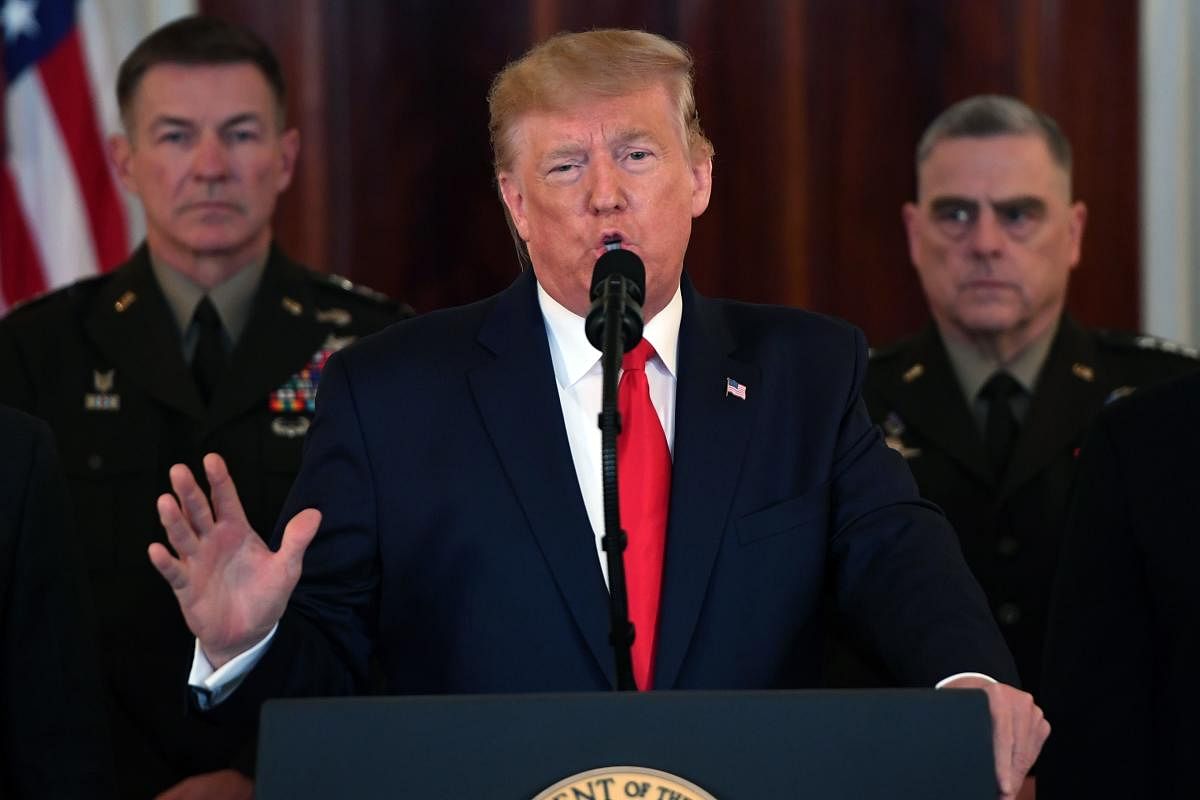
[[1125, 620], [463, 551], [208, 339], [990, 403], [53, 741]]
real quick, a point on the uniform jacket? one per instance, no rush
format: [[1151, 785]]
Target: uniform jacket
[[1010, 531], [1124, 646], [101, 361], [456, 548], [53, 741]]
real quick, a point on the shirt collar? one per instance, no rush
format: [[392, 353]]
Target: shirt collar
[[233, 299], [573, 355], [974, 369]]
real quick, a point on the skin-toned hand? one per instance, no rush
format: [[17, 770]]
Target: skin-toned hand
[[1019, 729], [226, 784], [231, 588]]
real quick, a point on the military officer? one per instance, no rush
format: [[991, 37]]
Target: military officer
[[990, 403], [208, 339]]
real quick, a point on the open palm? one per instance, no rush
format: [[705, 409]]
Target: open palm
[[231, 587]]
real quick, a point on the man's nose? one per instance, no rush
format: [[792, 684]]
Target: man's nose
[[987, 234], [210, 161], [607, 189]]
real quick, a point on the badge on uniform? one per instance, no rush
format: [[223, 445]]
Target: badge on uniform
[[298, 394], [104, 398]]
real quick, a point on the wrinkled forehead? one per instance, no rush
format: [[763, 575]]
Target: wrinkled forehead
[[992, 168], [589, 118]]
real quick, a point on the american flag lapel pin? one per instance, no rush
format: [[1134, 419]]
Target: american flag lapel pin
[[734, 388]]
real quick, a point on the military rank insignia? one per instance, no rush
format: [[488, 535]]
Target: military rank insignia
[[298, 394]]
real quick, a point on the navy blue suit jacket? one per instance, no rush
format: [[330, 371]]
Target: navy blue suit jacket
[[455, 546]]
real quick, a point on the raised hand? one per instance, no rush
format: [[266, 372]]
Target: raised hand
[[231, 587]]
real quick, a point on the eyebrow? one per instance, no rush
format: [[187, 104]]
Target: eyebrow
[[167, 120], [1025, 200], [623, 137]]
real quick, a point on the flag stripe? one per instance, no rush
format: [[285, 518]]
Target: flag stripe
[[67, 88], [16, 249], [44, 181]]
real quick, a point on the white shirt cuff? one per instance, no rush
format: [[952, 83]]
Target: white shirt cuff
[[958, 675], [211, 686]]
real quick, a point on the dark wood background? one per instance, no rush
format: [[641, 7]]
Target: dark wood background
[[814, 106]]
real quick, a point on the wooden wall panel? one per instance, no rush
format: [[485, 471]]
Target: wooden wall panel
[[814, 106]]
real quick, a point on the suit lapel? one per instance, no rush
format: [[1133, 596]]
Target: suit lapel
[[127, 322], [919, 397], [518, 400], [1066, 396], [712, 430], [280, 337]]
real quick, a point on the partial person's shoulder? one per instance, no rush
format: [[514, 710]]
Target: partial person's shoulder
[[887, 354], [342, 297], [52, 305], [893, 361], [1148, 356]]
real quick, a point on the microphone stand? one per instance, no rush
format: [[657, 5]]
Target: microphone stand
[[621, 632]]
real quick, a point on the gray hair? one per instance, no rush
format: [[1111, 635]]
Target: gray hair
[[987, 115]]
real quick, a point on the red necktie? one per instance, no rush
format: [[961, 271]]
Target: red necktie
[[644, 485]]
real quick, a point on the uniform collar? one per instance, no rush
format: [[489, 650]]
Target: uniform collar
[[234, 299], [973, 369]]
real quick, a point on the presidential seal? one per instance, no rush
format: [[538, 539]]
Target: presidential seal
[[623, 783]]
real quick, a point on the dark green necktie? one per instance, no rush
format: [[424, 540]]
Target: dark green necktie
[[1001, 429], [209, 361]]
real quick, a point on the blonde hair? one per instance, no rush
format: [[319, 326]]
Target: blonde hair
[[556, 74]]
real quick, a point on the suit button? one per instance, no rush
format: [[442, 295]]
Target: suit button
[[94, 461], [1007, 545], [1008, 613]]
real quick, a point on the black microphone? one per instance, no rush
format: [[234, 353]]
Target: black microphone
[[614, 326], [618, 288]]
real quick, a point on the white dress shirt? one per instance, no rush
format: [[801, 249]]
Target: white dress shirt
[[580, 376]]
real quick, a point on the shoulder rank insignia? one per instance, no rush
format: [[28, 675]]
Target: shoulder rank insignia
[[298, 394], [913, 372], [104, 398], [1146, 342]]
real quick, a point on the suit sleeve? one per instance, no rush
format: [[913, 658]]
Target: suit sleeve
[[1098, 679], [53, 741], [898, 571]]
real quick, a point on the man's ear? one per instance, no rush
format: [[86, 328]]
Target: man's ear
[[701, 185], [514, 201], [909, 213], [120, 152], [1075, 226], [289, 151]]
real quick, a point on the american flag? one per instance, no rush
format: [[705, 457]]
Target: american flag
[[734, 388], [62, 214]]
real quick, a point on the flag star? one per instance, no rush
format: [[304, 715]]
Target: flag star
[[19, 17]]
